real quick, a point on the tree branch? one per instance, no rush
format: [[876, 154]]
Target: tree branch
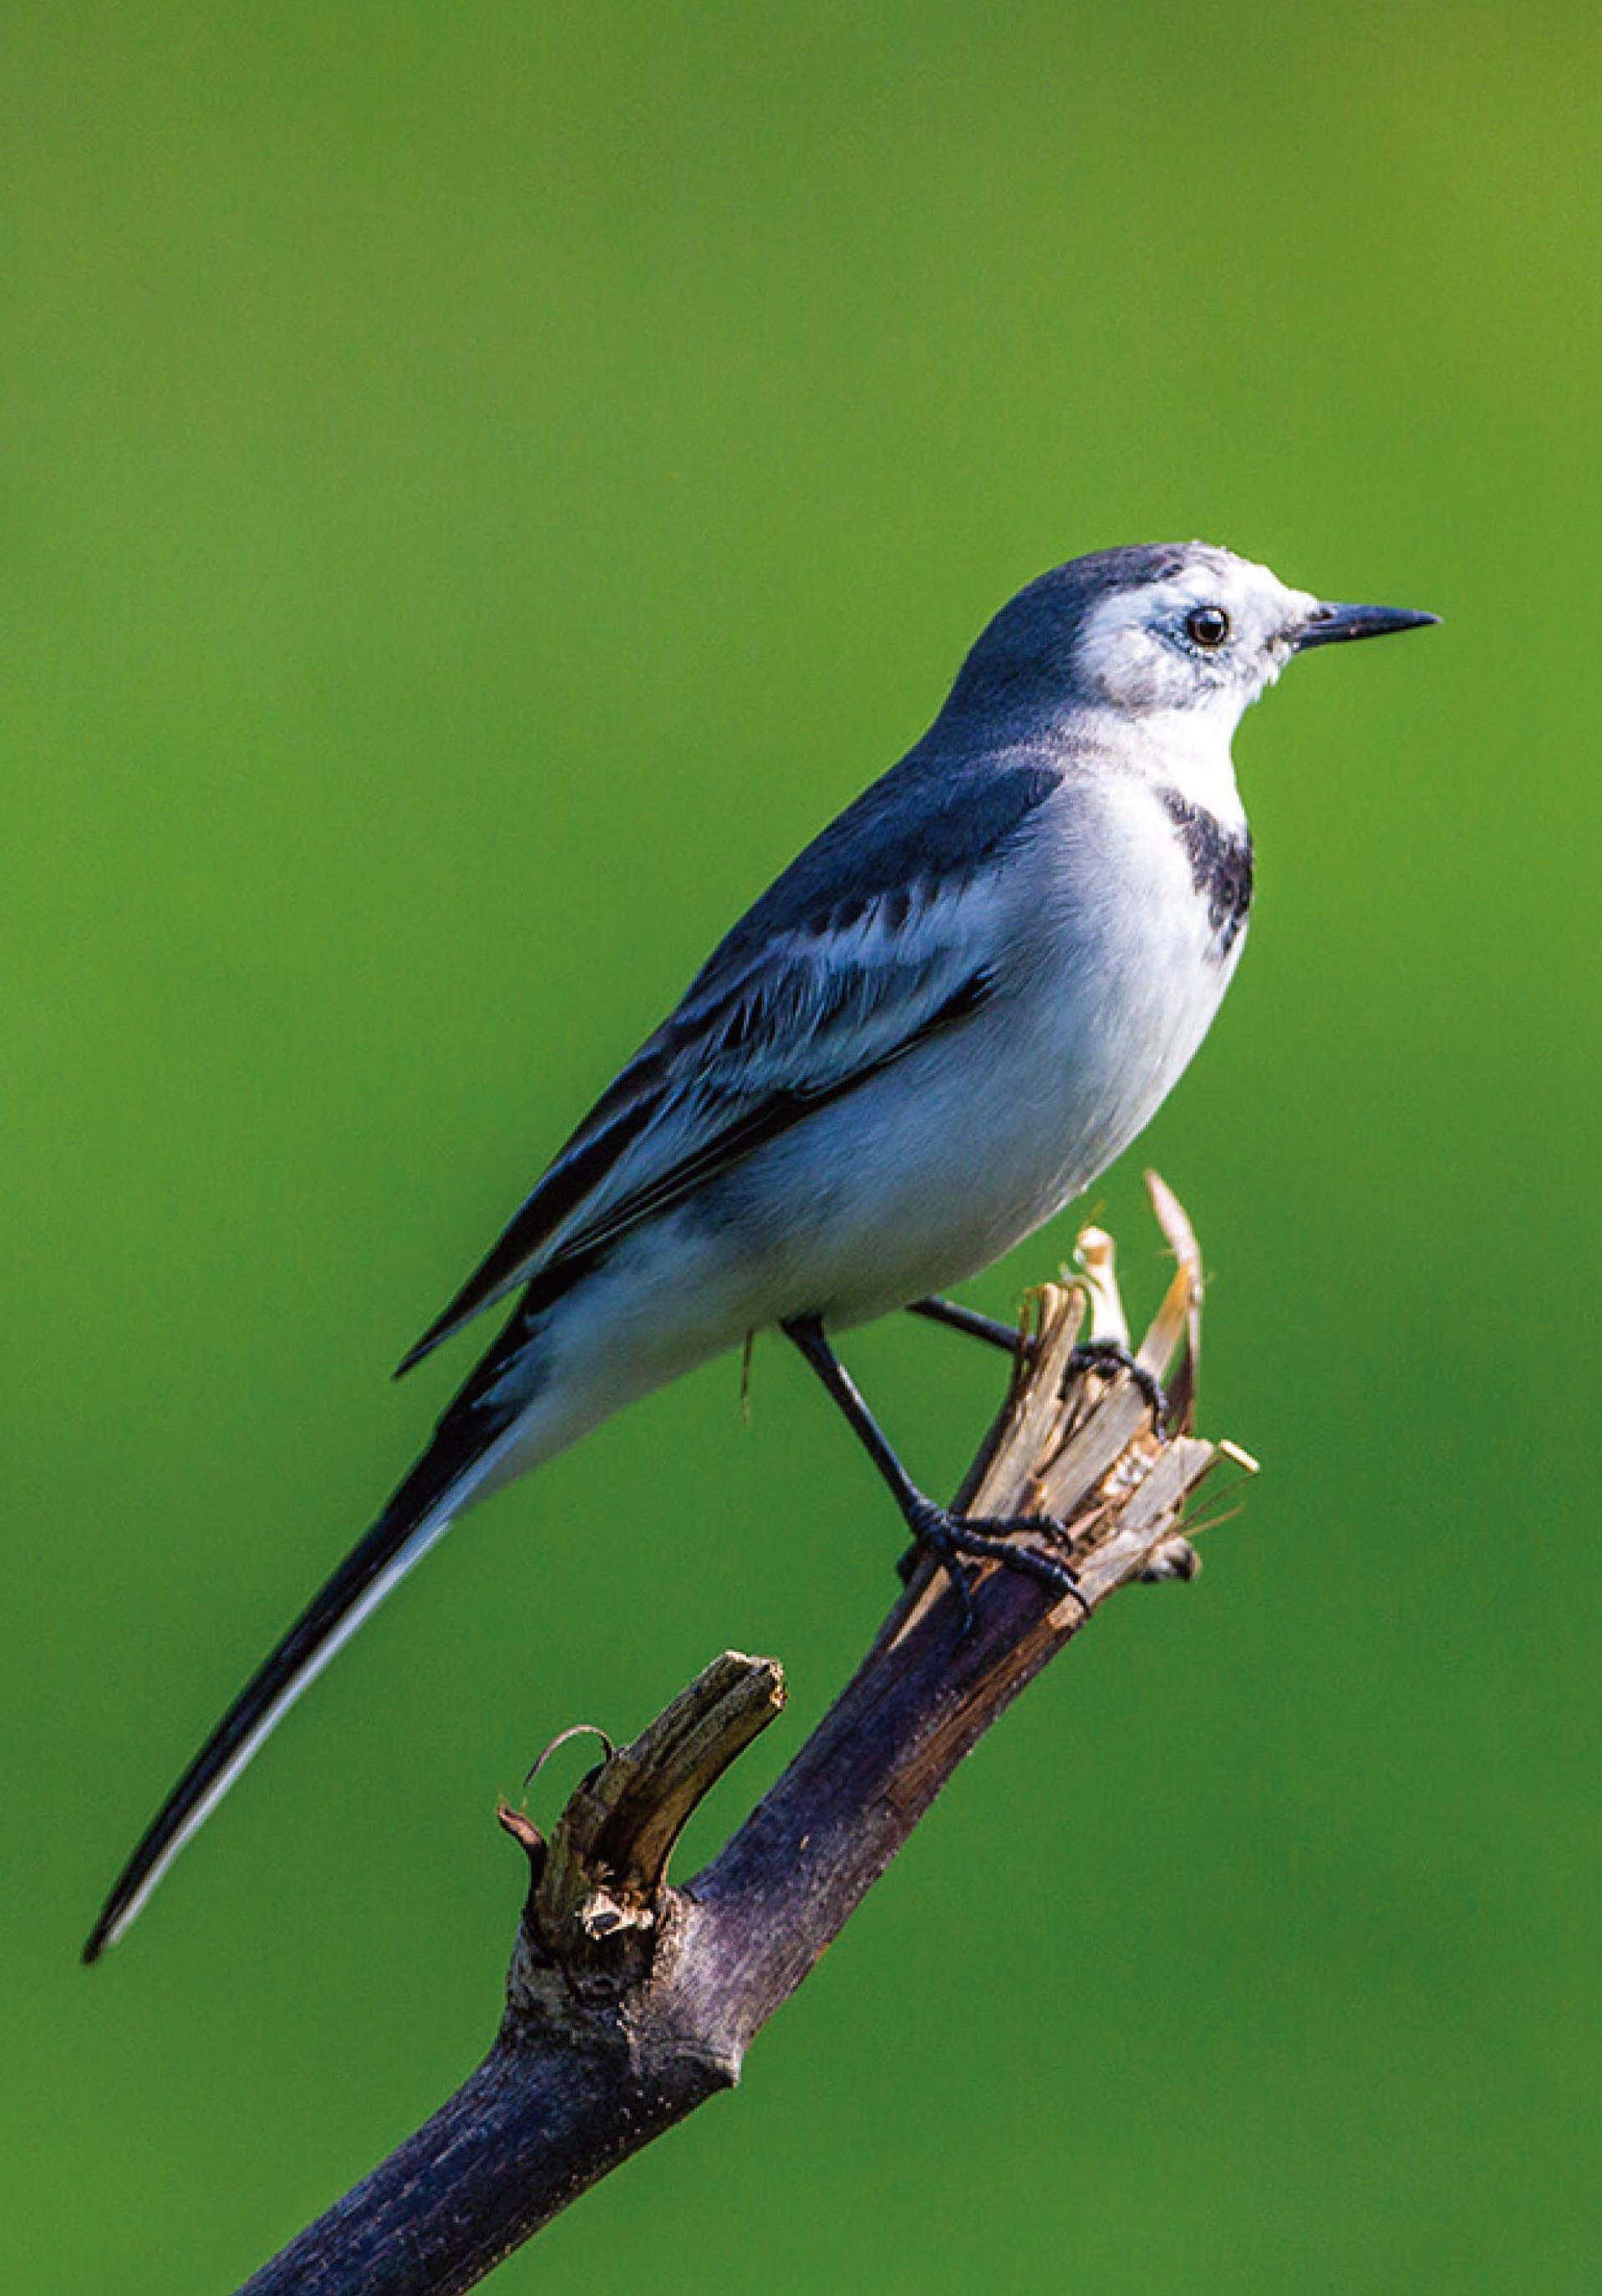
[[630, 2002]]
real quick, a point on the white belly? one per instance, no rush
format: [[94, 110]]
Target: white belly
[[921, 1178]]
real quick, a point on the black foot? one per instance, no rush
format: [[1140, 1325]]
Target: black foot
[[1109, 1355], [949, 1537]]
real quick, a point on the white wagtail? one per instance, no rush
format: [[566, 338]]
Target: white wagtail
[[961, 1001]]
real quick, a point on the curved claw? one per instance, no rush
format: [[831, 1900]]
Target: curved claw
[[949, 1536], [1109, 1355]]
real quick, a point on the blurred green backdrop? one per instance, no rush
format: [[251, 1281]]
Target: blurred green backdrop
[[481, 484]]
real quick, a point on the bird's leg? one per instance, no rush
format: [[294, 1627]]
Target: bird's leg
[[1101, 1354], [946, 1536], [957, 1318], [1108, 1356]]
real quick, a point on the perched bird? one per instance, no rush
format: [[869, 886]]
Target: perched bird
[[960, 1003]]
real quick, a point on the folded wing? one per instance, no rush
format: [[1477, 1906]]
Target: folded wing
[[803, 1001]]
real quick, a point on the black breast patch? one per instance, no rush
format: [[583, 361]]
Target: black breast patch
[[1220, 867]]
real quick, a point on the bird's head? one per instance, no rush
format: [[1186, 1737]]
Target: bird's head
[[1162, 629]]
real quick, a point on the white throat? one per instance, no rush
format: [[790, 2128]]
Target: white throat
[[1185, 751]]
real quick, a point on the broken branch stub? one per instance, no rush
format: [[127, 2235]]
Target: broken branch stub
[[596, 1887], [1080, 1444]]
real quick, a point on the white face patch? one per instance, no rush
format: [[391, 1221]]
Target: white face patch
[[1138, 651]]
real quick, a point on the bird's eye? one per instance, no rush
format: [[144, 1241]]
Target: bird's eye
[[1207, 626]]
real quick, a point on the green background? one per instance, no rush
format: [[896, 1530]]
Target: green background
[[481, 484]]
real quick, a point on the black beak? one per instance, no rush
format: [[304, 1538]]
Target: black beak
[[1333, 625]]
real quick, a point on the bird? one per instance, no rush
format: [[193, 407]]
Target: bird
[[944, 1020]]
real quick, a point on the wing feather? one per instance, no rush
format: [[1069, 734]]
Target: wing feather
[[776, 1025]]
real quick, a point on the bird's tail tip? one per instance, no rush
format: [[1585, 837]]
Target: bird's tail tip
[[113, 1918], [425, 1347]]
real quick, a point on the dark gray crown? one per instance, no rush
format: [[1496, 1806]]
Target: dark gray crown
[[1028, 647]]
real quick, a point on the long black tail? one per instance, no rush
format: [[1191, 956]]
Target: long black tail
[[418, 1515]]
